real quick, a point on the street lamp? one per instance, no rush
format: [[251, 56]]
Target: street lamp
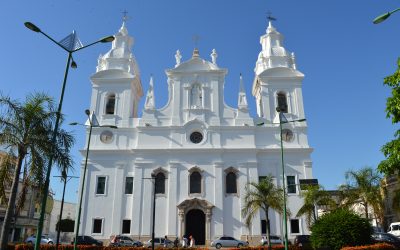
[[71, 47], [384, 16], [91, 125], [281, 111], [154, 178], [64, 176]]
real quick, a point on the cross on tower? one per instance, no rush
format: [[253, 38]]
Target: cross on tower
[[270, 17], [196, 39], [125, 16]]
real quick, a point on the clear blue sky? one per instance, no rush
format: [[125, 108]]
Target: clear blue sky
[[342, 54]]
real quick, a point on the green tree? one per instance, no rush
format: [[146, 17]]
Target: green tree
[[26, 130], [66, 225], [262, 196], [340, 228], [363, 187], [391, 150], [314, 195]]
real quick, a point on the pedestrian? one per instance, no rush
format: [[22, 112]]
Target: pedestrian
[[192, 242], [165, 241], [176, 242], [184, 242]]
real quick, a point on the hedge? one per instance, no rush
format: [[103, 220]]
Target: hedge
[[378, 246], [85, 247]]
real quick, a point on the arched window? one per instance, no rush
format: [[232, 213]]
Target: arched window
[[160, 183], [195, 183], [282, 102], [230, 183], [110, 104]]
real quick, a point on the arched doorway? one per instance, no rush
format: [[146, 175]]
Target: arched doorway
[[196, 226]]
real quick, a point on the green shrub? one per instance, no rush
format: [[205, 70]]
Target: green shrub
[[340, 228]]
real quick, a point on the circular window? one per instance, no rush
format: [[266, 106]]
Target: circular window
[[287, 135], [196, 137], [106, 136]]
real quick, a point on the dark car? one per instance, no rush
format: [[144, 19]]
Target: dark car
[[303, 241], [87, 240], [386, 238]]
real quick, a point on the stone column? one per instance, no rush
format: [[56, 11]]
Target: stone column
[[181, 229], [208, 226]]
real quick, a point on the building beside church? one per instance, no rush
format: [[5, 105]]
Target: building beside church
[[200, 151]]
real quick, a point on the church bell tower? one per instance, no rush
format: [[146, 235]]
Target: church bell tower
[[116, 85]]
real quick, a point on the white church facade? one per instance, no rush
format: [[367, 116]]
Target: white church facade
[[201, 151]]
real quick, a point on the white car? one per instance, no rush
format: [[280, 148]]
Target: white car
[[275, 240], [45, 240], [226, 241], [394, 229]]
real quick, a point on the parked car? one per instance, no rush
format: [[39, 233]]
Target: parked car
[[275, 240], [158, 242], [45, 240], [226, 241], [122, 241], [303, 241], [87, 240], [386, 238], [394, 228]]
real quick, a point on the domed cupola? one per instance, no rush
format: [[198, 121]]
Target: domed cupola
[[120, 55], [273, 54]]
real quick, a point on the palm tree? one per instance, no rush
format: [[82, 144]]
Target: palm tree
[[363, 187], [26, 130], [314, 195], [262, 196]]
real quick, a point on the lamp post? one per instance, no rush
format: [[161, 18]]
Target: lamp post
[[280, 111], [64, 176], [384, 16], [70, 48], [153, 177], [91, 125]]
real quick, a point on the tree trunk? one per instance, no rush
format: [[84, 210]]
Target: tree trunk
[[11, 202], [268, 232], [366, 210]]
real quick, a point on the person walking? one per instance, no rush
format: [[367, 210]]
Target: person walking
[[165, 241], [192, 241], [184, 242], [176, 242]]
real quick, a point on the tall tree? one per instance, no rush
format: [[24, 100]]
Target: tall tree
[[314, 196], [26, 130], [391, 150], [262, 196], [363, 187]]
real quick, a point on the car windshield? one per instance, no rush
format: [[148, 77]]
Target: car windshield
[[396, 227]]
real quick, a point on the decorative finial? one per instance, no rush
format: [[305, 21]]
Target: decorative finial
[[178, 58], [149, 105], [214, 56], [241, 87], [196, 53], [293, 61], [242, 100]]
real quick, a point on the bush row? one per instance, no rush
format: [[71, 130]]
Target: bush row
[[378, 246]]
